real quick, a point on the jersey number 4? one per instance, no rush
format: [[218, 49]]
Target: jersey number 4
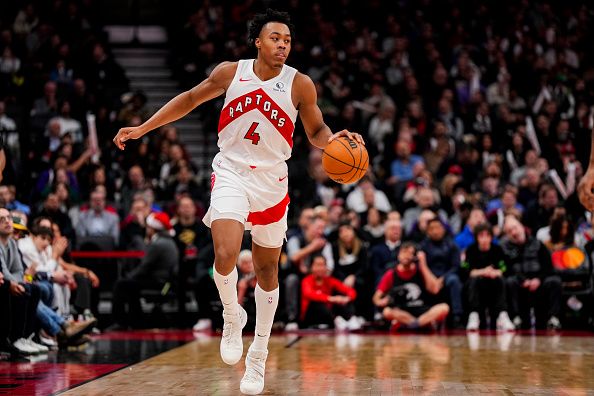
[[252, 135]]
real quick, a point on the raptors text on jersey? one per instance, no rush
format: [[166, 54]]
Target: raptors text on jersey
[[258, 118]]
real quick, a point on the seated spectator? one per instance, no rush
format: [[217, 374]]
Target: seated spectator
[[28, 297], [365, 196], [184, 181], [47, 178], [403, 291], [326, 301], [134, 183], [352, 268], [133, 227], [425, 199], [84, 295], [52, 210], [41, 261], [498, 208], [383, 256], [485, 266], [529, 279], [9, 201], [560, 232], [97, 221], [466, 237], [210, 308], [374, 226], [401, 169], [443, 258], [18, 299], [158, 266], [300, 252], [191, 235], [539, 213]]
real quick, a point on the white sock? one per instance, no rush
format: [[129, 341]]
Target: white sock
[[227, 285], [266, 303]]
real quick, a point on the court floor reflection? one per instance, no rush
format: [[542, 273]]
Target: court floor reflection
[[324, 364]]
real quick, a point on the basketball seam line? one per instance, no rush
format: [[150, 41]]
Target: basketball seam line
[[347, 147], [342, 162]]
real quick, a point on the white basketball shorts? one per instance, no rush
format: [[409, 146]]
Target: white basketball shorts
[[257, 198]]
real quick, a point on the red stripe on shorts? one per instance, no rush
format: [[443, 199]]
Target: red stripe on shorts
[[270, 215]]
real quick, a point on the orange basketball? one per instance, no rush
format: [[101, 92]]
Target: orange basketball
[[345, 161]]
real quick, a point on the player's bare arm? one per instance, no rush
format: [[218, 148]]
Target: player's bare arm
[[213, 86], [586, 186], [318, 133]]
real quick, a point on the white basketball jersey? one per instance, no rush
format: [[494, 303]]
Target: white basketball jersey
[[258, 118]]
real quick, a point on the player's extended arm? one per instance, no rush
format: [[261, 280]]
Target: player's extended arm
[[213, 86], [318, 133], [585, 193], [2, 159]]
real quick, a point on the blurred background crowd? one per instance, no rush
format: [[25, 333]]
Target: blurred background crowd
[[477, 118]]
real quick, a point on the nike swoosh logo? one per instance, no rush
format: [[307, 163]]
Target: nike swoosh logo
[[244, 79], [280, 179], [260, 335]]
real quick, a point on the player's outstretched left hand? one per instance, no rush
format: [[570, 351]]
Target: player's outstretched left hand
[[351, 135], [126, 134]]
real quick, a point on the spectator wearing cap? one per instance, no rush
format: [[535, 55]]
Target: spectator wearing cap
[[158, 266], [443, 259]]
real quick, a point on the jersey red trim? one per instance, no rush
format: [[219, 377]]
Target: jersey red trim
[[270, 215], [258, 100]]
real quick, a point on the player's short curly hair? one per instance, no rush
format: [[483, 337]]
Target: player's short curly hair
[[255, 26]]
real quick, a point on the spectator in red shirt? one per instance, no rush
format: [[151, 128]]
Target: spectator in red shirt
[[325, 299], [404, 290]]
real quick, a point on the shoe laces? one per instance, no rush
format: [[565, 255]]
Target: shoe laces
[[228, 326], [255, 370]]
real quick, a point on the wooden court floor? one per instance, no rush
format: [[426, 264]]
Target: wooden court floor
[[349, 364]]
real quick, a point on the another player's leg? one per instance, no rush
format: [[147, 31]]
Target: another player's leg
[[267, 293], [227, 235]]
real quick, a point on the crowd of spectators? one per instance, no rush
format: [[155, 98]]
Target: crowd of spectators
[[476, 117]]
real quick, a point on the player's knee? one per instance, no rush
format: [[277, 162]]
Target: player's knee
[[267, 271], [225, 256]]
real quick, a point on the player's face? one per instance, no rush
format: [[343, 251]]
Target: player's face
[[274, 43]]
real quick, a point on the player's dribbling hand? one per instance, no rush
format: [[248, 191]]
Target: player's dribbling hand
[[585, 187], [124, 134], [351, 135]]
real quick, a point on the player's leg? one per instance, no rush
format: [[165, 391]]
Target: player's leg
[[227, 235], [267, 241], [267, 292]]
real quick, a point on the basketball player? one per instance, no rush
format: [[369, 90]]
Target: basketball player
[[586, 186], [249, 180]]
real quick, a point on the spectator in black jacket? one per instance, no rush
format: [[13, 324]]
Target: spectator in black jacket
[[484, 266], [530, 279], [351, 267], [443, 259], [383, 256], [158, 266]]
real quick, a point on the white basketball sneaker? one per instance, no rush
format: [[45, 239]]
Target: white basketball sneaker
[[252, 382], [231, 342], [474, 322]]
